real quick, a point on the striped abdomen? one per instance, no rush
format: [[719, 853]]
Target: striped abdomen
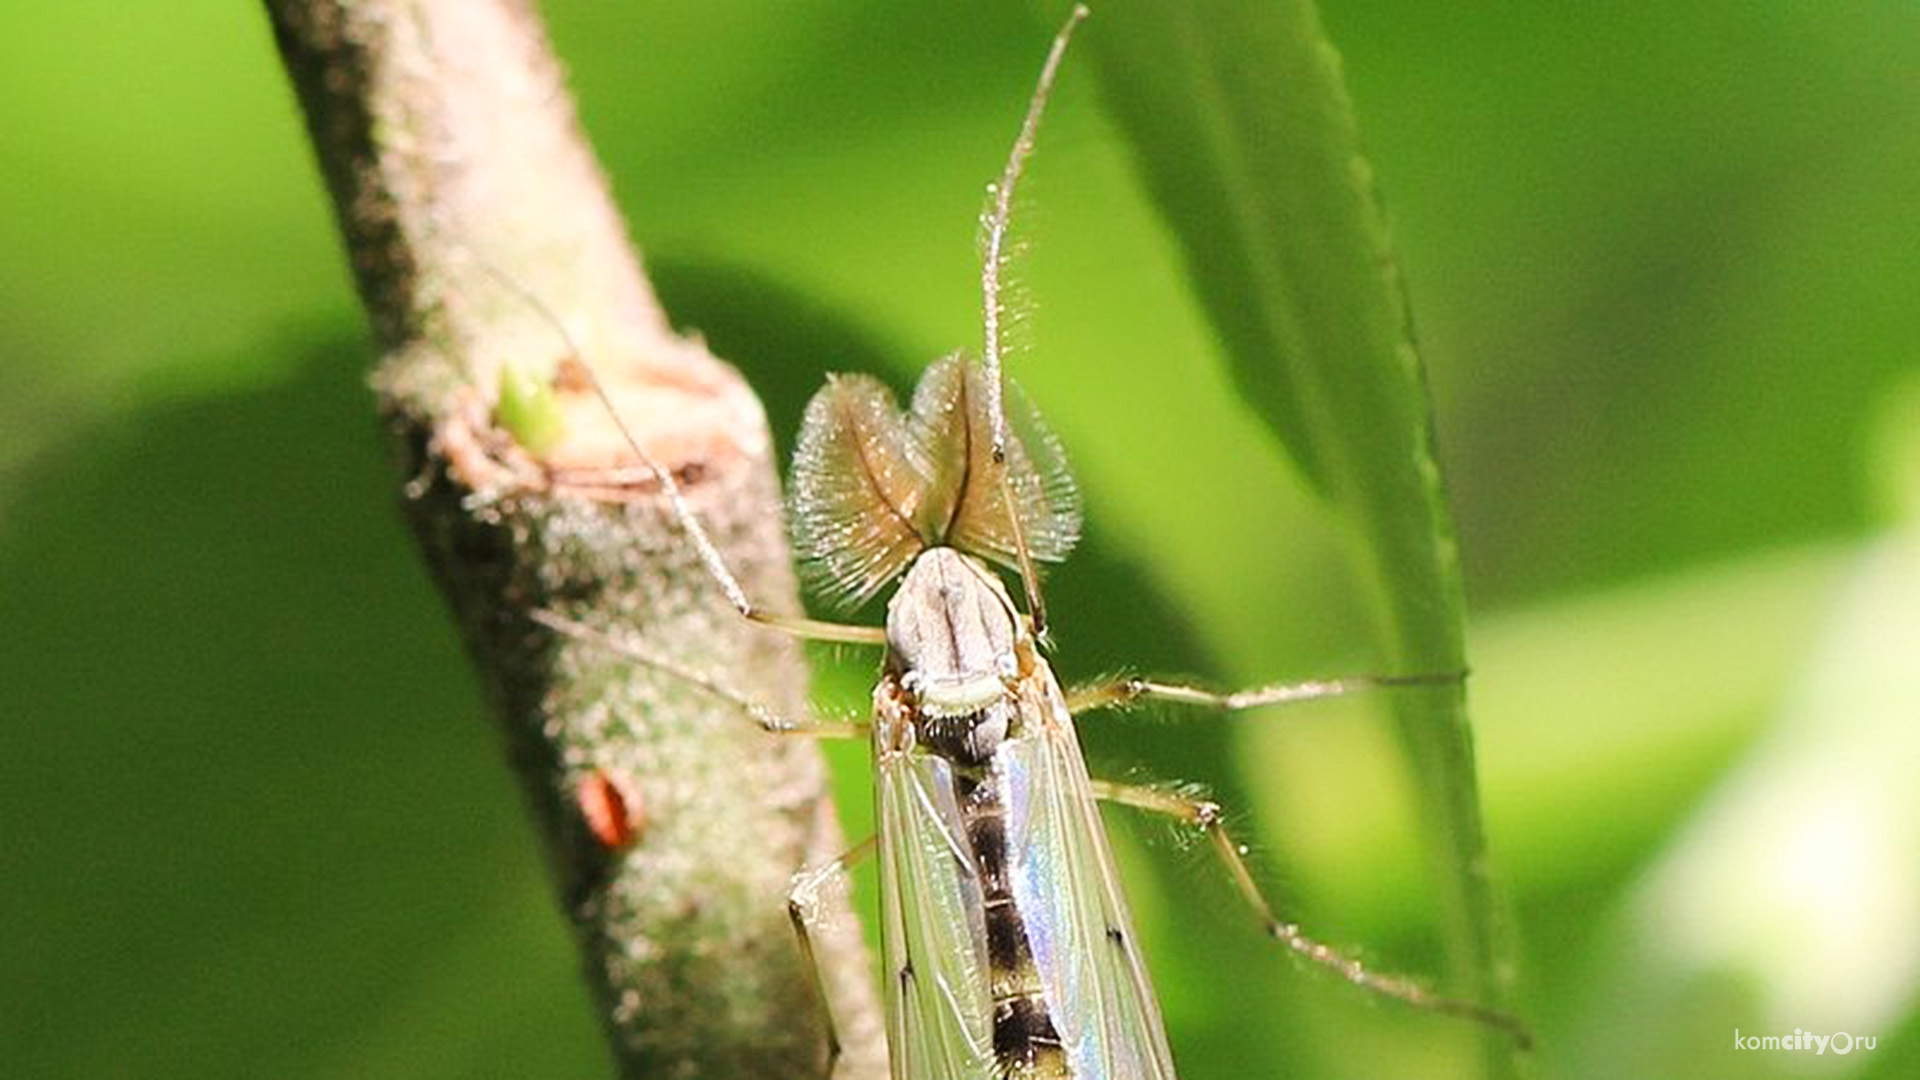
[[1026, 1045]]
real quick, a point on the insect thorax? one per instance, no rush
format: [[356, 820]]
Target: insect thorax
[[954, 647]]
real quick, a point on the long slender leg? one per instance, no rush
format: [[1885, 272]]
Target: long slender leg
[[803, 910], [1124, 691], [716, 564], [1205, 816], [767, 718], [710, 557]]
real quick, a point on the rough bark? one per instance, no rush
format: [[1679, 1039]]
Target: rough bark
[[475, 217]]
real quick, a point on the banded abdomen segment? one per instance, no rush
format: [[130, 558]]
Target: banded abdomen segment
[[1026, 1044]]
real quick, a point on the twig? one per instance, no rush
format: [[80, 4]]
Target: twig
[[449, 145]]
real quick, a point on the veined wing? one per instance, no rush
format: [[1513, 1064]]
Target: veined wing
[[1065, 885], [938, 995]]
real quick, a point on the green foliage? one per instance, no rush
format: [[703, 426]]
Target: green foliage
[[1245, 135], [1662, 260]]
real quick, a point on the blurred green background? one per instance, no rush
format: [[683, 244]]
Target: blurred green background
[[1664, 263]]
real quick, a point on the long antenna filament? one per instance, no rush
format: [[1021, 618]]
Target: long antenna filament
[[994, 255], [993, 259]]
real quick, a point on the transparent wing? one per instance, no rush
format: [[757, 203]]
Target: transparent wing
[[952, 429], [933, 930], [1077, 920], [857, 486]]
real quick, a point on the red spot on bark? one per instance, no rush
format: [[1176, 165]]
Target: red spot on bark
[[611, 813]]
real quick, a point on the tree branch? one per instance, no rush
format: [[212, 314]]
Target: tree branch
[[456, 166]]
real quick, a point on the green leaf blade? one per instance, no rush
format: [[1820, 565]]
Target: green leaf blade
[[1245, 136]]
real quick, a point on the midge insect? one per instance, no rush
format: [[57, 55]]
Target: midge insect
[[1007, 943]]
